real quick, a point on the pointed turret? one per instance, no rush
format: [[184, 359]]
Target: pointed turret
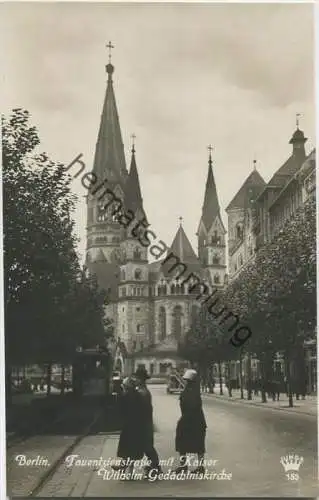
[[109, 159], [182, 248], [133, 196], [211, 205]]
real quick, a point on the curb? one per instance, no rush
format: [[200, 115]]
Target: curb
[[261, 405], [50, 472]]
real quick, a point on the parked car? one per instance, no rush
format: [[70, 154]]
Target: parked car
[[174, 385]]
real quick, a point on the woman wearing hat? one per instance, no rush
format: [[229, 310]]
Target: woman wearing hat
[[191, 427], [130, 446]]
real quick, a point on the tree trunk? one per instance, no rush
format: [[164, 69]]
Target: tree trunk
[[62, 380], [220, 378], [49, 376], [249, 378], [241, 375], [289, 381], [263, 379]]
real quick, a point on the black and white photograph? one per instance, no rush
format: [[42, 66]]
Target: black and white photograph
[[159, 250]]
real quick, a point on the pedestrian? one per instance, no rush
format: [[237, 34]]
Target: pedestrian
[[148, 425], [130, 446], [191, 427]]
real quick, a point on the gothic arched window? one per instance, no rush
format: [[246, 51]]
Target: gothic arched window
[[164, 288], [138, 274], [239, 232], [177, 322], [182, 288], [194, 314], [216, 278], [137, 254], [162, 323], [178, 289], [216, 259], [172, 289], [123, 275]]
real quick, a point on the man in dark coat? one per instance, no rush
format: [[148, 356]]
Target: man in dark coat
[[130, 447], [191, 427], [147, 418]]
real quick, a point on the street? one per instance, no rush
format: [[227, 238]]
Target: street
[[247, 442]]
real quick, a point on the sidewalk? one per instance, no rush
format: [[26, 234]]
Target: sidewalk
[[309, 406]]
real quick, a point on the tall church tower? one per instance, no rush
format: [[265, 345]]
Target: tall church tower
[[133, 305], [104, 233], [211, 233]]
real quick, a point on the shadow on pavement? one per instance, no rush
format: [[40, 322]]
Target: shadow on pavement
[[66, 415]]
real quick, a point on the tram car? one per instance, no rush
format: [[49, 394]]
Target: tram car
[[92, 373]]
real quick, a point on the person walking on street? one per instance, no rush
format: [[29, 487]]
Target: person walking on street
[[191, 427], [147, 423], [130, 446]]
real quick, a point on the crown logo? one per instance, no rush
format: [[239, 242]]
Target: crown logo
[[291, 462]]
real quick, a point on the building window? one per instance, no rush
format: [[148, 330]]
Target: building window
[[162, 323], [172, 289], [177, 322], [138, 274], [137, 254], [138, 309], [138, 328], [134, 345], [123, 275], [216, 259], [194, 314], [239, 232], [216, 278], [142, 346], [123, 309], [240, 260], [182, 288], [123, 328]]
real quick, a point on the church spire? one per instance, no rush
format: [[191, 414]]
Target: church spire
[[109, 159], [133, 196], [211, 205]]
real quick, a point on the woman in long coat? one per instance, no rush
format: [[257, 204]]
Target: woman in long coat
[[191, 427], [130, 447]]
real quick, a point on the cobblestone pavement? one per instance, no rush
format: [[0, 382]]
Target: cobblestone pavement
[[246, 441]]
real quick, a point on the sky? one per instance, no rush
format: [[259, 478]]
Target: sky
[[186, 76]]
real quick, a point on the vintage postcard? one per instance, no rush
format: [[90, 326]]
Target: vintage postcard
[[159, 219]]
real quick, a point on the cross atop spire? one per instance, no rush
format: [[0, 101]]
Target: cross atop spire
[[180, 221], [298, 115], [255, 163], [210, 149], [133, 137], [110, 47]]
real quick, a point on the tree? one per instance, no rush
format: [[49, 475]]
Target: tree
[[48, 310], [276, 294]]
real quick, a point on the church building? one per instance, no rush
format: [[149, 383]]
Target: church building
[[151, 307]]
